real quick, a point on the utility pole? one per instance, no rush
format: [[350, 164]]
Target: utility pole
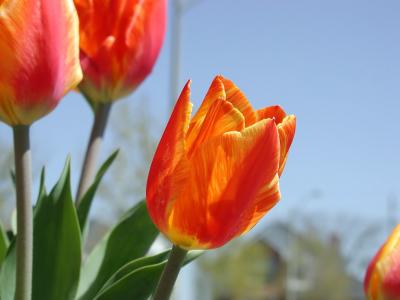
[[391, 212], [179, 8], [293, 283]]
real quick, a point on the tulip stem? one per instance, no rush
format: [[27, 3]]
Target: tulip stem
[[23, 185], [93, 150], [170, 273]]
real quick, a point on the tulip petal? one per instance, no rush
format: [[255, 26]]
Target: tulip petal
[[372, 278], [286, 131], [286, 128], [391, 280], [221, 89], [389, 266], [239, 101], [222, 189], [163, 180], [220, 118], [215, 92], [266, 199], [271, 112]]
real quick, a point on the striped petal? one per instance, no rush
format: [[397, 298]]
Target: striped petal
[[271, 112], [286, 131], [164, 179], [215, 92], [223, 185], [220, 118], [286, 128], [267, 198], [239, 101]]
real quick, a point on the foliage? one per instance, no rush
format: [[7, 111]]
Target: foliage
[[237, 271], [117, 268]]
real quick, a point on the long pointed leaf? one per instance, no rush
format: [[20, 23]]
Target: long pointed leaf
[[130, 239], [87, 199], [57, 244]]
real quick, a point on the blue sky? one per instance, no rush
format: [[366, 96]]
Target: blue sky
[[335, 64]]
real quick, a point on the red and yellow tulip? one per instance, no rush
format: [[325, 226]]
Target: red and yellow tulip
[[39, 53], [120, 42], [382, 279], [214, 176]]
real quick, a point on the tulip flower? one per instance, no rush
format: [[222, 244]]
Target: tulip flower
[[213, 177], [39, 50], [119, 42], [382, 279]]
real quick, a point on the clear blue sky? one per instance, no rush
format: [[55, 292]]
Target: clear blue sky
[[335, 64]]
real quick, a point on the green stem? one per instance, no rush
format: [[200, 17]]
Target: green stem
[[170, 273], [23, 176], [93, 150]]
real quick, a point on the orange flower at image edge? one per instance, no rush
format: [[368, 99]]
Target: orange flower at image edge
[[382, 279], [39, 52], [215, 176]]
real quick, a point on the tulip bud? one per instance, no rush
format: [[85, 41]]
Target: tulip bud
[[382, 279], [213, 177], [119, 43], [39, 50]]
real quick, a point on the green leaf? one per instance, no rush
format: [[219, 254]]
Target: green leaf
[[138, 279], [7, 274], [4, 243], [137, 285], [56, 243], [87, 199], [134, 265], [131, 238], [42, 190]]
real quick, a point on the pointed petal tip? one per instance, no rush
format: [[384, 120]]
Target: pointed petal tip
[[218, 81], [185, 93], [219, 77]]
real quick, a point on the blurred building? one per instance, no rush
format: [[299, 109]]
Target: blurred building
[[281, 264]]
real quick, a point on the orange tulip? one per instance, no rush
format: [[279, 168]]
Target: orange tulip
[[213, 177], [120, 42], [39, 51], [382, 279]]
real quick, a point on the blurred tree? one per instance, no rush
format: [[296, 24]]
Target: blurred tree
[[319, 265], [133, 131], [236, 272]]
